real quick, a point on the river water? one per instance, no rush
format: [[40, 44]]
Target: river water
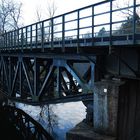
[[56, 119]]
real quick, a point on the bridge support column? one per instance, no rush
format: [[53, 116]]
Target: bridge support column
[[116, 112], [117, 108], [105, 112]]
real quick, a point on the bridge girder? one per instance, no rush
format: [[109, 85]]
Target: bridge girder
[[37, 80]]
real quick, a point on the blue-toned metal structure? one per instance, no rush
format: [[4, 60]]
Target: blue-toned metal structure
[[89, 54], [58, 59]]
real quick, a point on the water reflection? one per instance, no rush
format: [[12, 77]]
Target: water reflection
[[57, 119]]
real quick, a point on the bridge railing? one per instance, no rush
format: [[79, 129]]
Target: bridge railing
[[101, 19]]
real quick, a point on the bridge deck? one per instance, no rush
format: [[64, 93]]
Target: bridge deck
[[123, 40]]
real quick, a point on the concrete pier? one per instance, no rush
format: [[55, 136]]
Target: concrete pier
[[106, 94], [116, 114]]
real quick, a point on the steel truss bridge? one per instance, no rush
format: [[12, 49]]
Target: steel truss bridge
[[58, 59]]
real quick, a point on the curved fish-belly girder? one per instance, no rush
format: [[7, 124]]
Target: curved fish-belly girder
[[27, 128]]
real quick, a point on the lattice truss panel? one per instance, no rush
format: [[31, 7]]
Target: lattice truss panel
[[35, 79]]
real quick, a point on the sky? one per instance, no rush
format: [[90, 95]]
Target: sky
[[30, 7], [63, 6]]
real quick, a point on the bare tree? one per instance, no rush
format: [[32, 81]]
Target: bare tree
[[38, 19], [51, 8], [39, 14], [15, 14], [129, 15], [4, 13], [50, 11], [47, 113], [126, 3], [10, 13]]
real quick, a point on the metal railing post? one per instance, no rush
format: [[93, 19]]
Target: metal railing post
[[36, 38], [134, 21], [110, 44], [31, 37], [26, 36], [9, 43], [11, 36], [6, 39], [92, 25], [22, 39], [63, 33], [52, 47], [78, 30], [42, 35], [14, 39], [18, 39]]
